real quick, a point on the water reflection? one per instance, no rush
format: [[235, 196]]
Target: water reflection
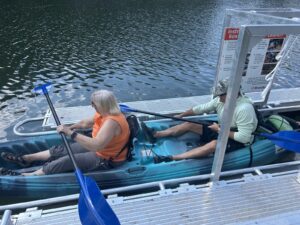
[[139, 49]]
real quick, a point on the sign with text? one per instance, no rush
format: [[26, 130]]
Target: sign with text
[[260, 61]]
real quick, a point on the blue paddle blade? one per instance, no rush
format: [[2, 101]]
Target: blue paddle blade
[[289, 140], [93, 207], [42, 89], [125, 108]]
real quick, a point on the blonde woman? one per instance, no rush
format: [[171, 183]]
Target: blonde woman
[[110, 134]]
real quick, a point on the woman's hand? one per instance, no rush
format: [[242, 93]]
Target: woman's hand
[[215, 127], [64, 129]]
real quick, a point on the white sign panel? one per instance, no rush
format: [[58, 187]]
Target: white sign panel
[[260, 61]]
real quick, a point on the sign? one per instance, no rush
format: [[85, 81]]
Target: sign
[[260, 61]]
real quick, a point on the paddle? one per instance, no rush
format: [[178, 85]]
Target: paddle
[[93, 207], [287, 139], [126, 108]]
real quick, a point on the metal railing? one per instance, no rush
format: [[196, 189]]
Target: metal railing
[[160, 185]]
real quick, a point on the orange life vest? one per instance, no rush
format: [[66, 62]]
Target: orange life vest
[[118, 142]]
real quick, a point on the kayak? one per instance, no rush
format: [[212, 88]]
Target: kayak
[[140, 169]]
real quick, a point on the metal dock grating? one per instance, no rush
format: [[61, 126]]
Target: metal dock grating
[[261, 199], [232, 203]]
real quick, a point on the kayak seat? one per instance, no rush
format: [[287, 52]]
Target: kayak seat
[[172, 146], [148, 132]]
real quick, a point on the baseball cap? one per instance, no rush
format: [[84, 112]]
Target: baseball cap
[[221, 88]]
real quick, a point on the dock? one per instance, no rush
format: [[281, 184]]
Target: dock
[[257, 197], [280, 100]]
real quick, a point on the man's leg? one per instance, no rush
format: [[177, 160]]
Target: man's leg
[[195, 153], [179, 130], [202, 151]]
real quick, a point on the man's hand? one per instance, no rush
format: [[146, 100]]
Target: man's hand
[[64, 129], [179, 115], [215, 127], [186, 113]]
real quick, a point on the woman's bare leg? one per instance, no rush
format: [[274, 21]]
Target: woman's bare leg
[[35, 173], [39, 156]]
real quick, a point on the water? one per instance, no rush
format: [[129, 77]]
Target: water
[[140, 49]]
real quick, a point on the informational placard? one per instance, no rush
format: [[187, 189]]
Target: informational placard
[[260, 61]]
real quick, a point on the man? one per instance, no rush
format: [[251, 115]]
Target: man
[[243, 124]]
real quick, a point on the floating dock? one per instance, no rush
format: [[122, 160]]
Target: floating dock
[[280, 100], [256, 197]]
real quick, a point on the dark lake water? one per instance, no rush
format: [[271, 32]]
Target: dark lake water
[[140, 49]]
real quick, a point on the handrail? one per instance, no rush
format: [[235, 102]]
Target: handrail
[[30, 134], [160, 184]]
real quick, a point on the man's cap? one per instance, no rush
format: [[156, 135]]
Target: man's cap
[[221, 88]]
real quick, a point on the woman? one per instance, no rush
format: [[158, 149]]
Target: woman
[[110, 134]]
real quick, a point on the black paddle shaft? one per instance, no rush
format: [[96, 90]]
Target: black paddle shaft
[[67, 145], [174, 118]]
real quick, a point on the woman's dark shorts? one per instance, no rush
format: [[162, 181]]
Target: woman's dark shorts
[[60, 162], [209, 135]]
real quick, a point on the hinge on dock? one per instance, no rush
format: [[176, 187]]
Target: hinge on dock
[[29, 215], [250, 177], [185, 187], [218, 184], [165, 192], [115, 199]]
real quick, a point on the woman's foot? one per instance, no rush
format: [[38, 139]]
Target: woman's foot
[[8, 172], [10, 157], [38, 172]]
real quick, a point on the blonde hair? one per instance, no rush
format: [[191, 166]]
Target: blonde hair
[[106, 102]]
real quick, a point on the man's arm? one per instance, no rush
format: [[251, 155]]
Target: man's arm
[[216, 128], [206, 107], [189, 112], [246, 122], [200, 109]]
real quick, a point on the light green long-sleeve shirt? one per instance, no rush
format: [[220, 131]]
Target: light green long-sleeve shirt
[[244, 117]]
